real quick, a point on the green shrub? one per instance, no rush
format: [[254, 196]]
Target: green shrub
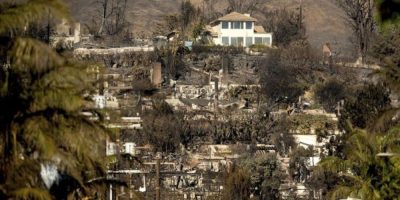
[[217, 49]]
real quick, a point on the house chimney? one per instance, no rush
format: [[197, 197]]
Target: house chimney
[[247, 14], [77, 33]]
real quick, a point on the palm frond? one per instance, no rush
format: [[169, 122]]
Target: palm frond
[[30, 52], [361, 147], [360, 189], [35, 137], [385, 120], [340, 192], [17, 16], [333, 164], [390, 141], [31, 194], [43, 92]]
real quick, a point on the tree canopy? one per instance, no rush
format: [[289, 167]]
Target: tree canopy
[[48, 149]]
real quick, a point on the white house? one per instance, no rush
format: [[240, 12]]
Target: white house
[[105, 101], [238, 29], [129, 148]]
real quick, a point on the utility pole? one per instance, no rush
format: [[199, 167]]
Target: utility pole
[[204, 10], [48, 28], [301, 15], [158, 158]]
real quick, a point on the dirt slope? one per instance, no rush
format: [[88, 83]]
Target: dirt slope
[[324, 20]]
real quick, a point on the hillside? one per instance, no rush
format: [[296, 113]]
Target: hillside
[[324, 20]]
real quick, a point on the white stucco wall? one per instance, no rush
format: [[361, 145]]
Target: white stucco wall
[[130, 148], [238, 33], [111, 148], [310, 140]]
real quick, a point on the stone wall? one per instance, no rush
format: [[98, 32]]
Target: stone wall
[[117, 57]]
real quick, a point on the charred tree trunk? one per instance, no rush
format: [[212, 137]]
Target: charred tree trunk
[[360, 17], [104, 16]]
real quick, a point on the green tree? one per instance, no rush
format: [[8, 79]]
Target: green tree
[[330, 93], [266, 176], [281, 137], [363, 174], [300, 164], [237, 184], [48, 150], [369, 102], [323, 182], [163, 128], [281, 76]]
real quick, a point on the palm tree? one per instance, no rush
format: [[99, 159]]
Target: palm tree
[[362, 172], [46, 145]]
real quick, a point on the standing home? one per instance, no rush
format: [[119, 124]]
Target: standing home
[[236, 29]]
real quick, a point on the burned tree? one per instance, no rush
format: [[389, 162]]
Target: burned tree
[[209, 11], [244, 6], [187, 21], [287, 25], [360, 17], [188, 13], [113, 20], [104, 6]]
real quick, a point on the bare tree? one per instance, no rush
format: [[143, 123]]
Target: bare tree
[[287, 25], [118, 21], [185, 21], [104, 6], [209, 10], [361, 19], [244, 6], [113, 19], [188, 14], [168, 24]]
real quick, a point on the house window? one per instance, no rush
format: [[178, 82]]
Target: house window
[[240, 41], [237, 25], [249, 41], [266, 41], [225, 41], [258, 40], [234, 41], [249, 25], [237, 41], [225, 25]]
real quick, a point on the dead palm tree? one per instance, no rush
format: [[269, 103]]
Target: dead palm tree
[[44, 140]]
